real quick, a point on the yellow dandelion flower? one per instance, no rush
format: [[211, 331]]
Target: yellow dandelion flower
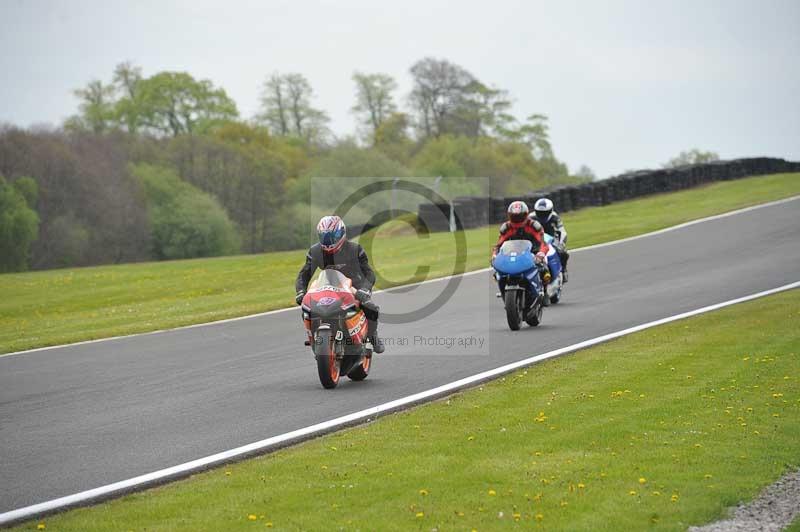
[[776, 415], [470, 438], [492, 493], [581, 485], [656, 493], [642, 480], [324, 467], [674, 497], [539, 517], [460, 514], [420, 515], [517, 517], [227, 473], [423, 492], [563, 503], [252, 517], [632, 493], [707, 475], [40, 526], [268, 524]]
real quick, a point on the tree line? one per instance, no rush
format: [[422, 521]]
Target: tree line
[[164, 167]]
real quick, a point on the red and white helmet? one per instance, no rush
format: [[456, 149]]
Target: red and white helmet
[[517, 212], [332, 233]]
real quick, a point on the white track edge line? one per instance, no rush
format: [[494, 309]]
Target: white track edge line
[[325, 426], [410, 285]]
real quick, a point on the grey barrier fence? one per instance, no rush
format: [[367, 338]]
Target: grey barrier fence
[[472, 211]]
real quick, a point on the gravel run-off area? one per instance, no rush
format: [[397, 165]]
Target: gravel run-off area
[[773, 510]]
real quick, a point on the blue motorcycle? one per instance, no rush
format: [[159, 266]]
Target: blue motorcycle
[[521, 288]]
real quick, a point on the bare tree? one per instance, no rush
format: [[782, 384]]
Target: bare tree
[[287, 110], [275, 114], [374, 101]]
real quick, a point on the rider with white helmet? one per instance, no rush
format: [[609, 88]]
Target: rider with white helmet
[[551, 223]]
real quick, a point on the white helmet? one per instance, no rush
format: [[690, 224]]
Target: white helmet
[[543, 208]]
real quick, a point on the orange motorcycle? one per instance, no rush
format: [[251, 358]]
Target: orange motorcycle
[[336, 329]]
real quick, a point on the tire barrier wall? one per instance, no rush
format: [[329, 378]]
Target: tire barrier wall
[[470, 212]]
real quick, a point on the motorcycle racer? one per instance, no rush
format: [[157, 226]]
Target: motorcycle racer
[[336, 252], [552, 225], [520, 227]]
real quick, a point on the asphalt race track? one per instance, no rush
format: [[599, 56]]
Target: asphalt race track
[[75, 418]]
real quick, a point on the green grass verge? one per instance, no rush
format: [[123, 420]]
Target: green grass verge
[[61, 306], [655, 431]]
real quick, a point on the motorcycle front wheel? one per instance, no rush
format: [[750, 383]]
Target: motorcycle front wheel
[[327, 365], [513, 310]]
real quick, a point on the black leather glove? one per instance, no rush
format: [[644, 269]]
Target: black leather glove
[[299, 297], [363, 295]]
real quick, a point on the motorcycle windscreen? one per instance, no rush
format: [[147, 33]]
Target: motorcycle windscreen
[[514, 257], [331, 280]]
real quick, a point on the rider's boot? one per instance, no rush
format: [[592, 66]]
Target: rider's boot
[[564, 258], [546, 281], [372, 333]]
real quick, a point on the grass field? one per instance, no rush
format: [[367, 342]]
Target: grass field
[[62, 306], [655, 431]]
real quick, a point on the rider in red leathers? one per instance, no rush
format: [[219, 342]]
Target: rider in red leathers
[[520, 227]]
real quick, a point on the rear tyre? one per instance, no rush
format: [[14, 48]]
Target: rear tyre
[[512, 310], [327, 365], [360, 372]]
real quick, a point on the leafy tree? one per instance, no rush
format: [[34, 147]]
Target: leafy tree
[[438, 95], [585, 174], [534, 133], [19, 223], [175, 103], [96, 107], [246, 169], [287, 111], [392, 138], [126, 79], [483, 111], [693, 156], [185, 221], [70, 241], [511, 166], [374, 101]]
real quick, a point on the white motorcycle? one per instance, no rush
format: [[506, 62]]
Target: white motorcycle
[[556, 284]]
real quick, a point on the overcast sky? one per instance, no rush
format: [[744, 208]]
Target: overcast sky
[[626, 84]]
